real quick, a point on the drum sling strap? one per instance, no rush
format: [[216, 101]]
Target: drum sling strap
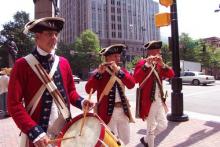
[[36, 98], [51, 87], [163, 97]]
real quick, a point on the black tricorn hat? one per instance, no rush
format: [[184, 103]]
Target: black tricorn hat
[[113, 49], [153, 45], [44, 24]]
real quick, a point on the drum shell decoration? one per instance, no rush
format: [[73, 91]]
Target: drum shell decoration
[[104, 136]]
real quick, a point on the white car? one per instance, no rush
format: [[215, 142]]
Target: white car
[[196, 78], [76, 79]]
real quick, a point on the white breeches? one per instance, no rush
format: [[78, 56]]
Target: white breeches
[[119, 124], [156, 122]]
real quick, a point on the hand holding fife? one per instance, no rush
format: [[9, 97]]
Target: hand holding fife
[[155, 60], [115, 67], [102, 67]]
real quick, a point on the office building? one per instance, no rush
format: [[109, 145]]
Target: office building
[[130, 22]]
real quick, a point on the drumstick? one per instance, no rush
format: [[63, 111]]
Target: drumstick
[[85, 112], [59, 139]]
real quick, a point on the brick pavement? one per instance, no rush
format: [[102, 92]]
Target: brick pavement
[[199, 131]]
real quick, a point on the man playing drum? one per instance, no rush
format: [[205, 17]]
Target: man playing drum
[[150, 72], [109, 81], [44, 82]]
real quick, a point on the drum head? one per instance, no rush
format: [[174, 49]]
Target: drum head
[[90, 133]]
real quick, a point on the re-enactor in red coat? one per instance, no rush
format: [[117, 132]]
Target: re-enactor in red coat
[[24, 84], [112, 106], [152, 105]]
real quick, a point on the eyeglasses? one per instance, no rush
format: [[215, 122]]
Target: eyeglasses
[[50, 33]]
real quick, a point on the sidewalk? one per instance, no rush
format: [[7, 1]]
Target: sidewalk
[[200, 131]]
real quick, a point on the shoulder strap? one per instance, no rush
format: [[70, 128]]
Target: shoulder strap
[[145, 79], [107, 88], [32, 61]]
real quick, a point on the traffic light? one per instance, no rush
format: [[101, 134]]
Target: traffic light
[[166, 3], [162, 19]]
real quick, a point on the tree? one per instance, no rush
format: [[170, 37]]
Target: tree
[[13, 32], [131, 65], [64, 50], [166, 54], [187, 45], [84, 57]]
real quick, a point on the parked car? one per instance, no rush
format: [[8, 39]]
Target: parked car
[[196, 78], [76, 79]]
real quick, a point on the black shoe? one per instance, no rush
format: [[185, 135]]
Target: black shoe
[[143, 142]]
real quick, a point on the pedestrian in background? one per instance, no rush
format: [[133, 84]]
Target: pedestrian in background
[[109, 80], [4, 79], [149, 72]]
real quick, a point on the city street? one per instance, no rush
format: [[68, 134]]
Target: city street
[[198, 99]]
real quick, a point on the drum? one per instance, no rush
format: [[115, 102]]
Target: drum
[[94, 133]]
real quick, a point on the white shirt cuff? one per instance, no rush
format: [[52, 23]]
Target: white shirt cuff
[[39, 137], [147, 64]]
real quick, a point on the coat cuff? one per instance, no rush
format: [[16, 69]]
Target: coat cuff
[[35, 132], [165, 67], [145, 67], [98, 76], [120, 74], [79, 102]]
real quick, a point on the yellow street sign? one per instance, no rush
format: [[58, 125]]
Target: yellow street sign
[[162, 19], [166, 3]]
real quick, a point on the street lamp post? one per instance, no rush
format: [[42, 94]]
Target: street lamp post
[[143, 31], [124, 57], [176, 96], [99, 35], [56, 9], [217, 10]]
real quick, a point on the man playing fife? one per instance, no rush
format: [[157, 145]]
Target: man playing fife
[[149, 72], [44, 82], [109, 81]]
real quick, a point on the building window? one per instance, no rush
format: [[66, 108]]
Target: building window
[[119, 26], [119, 18], [93, 5], [112, 2], [119, 35], [113, 17], [113, 26], [118, 3], [113, 9], [113, 34], [118, 10], [93, 16]]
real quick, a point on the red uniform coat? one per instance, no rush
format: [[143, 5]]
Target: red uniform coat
[[140, 74], [24, 83], [99, 85]]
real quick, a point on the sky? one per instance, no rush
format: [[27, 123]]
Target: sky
[[195, 17]]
